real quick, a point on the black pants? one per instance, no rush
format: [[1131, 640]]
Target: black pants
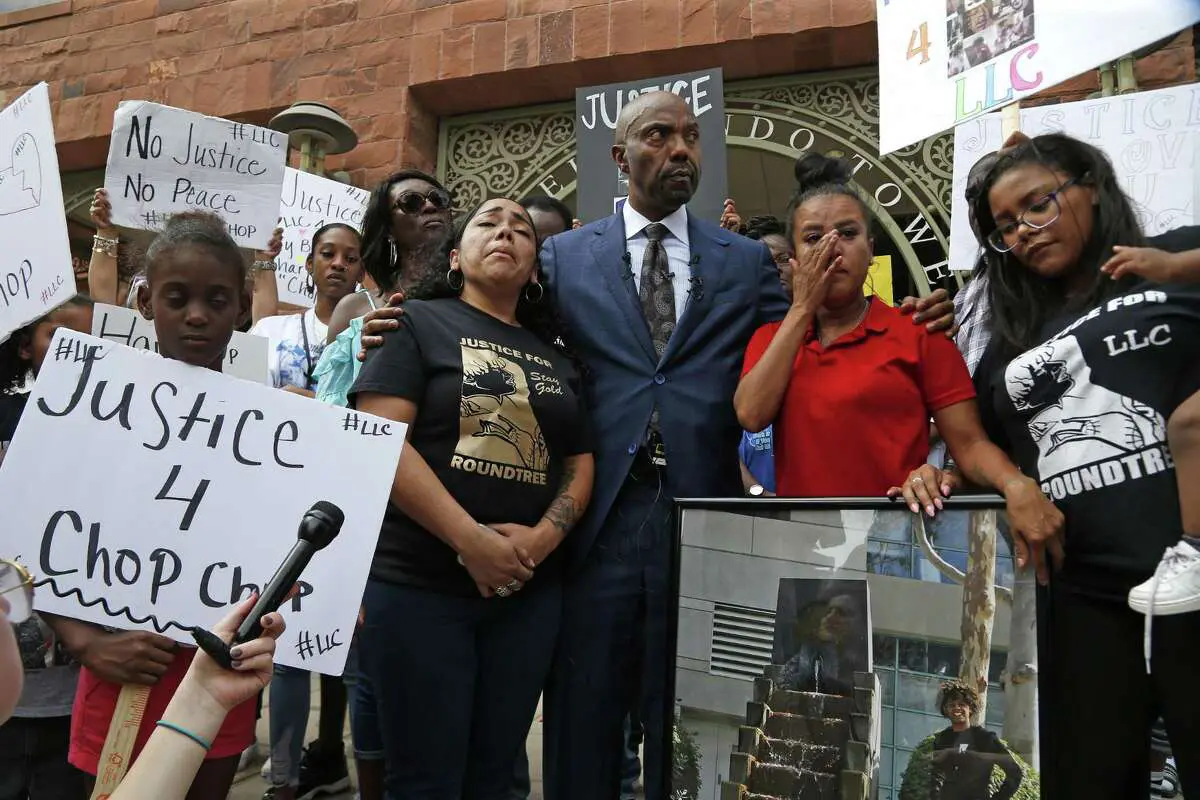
[[1097, 703], [33, 761]]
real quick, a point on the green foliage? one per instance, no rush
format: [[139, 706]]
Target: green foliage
[[917, 783], [685, 764]]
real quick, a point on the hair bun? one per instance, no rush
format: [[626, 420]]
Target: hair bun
[[816, 169]]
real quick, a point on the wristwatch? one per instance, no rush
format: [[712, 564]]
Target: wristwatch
[[756, 490]]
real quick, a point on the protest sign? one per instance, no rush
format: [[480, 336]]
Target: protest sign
[[601, 185], [164, 160], [36, 273], [943, 62], [246, 356], [1151, 138], [198, 483], [308, 202]]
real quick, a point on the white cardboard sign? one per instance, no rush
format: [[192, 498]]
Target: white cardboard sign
[[307, 203], [35, 269], [163, 160], [198, 485], [1151, 137], [246, 356], [943, 62]]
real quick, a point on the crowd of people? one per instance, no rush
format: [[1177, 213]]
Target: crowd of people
[[562, 383]]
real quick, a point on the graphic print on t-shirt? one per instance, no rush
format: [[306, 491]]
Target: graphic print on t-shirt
[[1073, 420], [499, 434]]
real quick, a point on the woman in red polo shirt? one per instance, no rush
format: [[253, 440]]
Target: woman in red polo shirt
[[850, 386]]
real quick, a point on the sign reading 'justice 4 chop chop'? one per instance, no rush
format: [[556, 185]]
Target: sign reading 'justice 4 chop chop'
[[198, 482]]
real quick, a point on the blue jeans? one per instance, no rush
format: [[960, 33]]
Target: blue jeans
[[612, 653], [457, 681], [291, 695], [364, 709]]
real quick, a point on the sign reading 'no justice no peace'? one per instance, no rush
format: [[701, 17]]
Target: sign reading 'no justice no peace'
[[943, 62], [165, 160], [198, 482]]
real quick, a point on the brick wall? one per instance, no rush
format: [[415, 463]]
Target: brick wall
[[392, 67]]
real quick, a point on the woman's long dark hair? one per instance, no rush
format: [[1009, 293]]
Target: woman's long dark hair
[[541, 318], [14, 368], [377, 230], [1022, 302]]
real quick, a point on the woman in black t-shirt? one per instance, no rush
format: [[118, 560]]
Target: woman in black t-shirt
[[1091, 383], [462, 608]]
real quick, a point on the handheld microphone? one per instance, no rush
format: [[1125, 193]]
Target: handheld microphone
[[318, 528]]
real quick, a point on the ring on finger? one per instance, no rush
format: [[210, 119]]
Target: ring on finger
[[503, 591], [917, 479], [514, 585]]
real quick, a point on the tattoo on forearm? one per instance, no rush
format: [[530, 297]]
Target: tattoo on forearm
[[562, 513]]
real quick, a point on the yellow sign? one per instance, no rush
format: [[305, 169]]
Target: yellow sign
[[879, 279]]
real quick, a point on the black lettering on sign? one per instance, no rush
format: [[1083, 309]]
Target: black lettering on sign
[[365, 427], [69, 348], [15, 283], [148, 146], [309, 644], [48, 542], [141, 191], [193, 502], [160, 558]]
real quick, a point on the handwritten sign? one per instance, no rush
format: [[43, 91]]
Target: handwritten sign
[[308, 203], [943, 62], [246, 356], [1151, 138], [35, 270], [164, 160], [597, 109], [200, 482]]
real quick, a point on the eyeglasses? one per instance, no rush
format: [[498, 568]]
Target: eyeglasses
[[17, 585], [412, 202], [1042, 213]]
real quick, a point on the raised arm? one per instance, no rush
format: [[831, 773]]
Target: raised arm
[[265, 299], [491, 559], [760, 392], [103, 279]]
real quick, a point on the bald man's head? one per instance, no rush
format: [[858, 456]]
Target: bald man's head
[[640, 105], [658, 147]]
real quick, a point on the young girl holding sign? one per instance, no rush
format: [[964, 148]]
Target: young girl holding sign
[[195, 292]]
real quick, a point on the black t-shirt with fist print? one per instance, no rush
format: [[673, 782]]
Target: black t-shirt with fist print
[[499, 411], [1086, 414]]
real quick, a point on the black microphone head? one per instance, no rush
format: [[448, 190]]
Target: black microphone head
[[321, 524]]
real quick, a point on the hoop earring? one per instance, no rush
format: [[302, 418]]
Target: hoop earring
[[309, 287], [392, 244], [541, 292], [462, 281]]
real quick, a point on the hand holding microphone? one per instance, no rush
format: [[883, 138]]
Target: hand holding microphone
[[318, 528]]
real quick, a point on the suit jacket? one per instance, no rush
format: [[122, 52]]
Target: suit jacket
[[693, 383]]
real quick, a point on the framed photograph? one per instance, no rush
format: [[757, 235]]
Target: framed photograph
[[847, 648]]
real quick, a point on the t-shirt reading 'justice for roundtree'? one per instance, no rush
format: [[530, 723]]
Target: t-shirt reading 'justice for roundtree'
[[1086, 414], [498, 412]]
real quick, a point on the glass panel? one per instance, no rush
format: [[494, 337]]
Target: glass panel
[[944, 660], [996, 666], [949, 531], [888, 734], [883, 650], [885, 766], [891, 528], [887, 685], [889, 559], [900, 763], [917, 693], [912, 727], [913, 655], [995, 706]]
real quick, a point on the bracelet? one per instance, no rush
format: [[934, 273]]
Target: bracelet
[[264, 266], [105, 246], [486, 528], [171, 726]]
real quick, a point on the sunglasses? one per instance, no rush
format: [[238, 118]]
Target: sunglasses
[[16, 585], [412, 202]]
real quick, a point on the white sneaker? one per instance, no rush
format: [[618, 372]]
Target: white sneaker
[[265, 772], [1175, 587]]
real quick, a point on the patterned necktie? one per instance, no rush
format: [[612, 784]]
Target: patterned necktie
[[657, 291]]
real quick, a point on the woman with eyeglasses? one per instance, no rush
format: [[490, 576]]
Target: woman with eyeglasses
[[1092, 382], [405, 232]]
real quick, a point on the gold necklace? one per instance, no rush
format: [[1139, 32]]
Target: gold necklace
[[858, 321]]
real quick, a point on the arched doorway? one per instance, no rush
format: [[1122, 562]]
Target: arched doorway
[[768, 123]]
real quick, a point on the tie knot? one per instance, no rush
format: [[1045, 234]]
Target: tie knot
[[656, 232]]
